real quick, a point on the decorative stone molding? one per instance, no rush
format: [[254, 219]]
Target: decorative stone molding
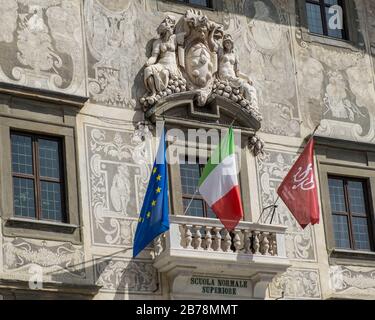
[[194, 55]]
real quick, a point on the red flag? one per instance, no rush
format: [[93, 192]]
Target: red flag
[[298, 189]]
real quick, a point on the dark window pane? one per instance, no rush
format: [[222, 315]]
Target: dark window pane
[[51, 201], [49, 161], [210, 213], [22, 154], [314, 18], [336, 193], [356, 197], [360, 231], [195, 208], [24, 197], [189, 177], [336, 33], [204, 3], [330, 2], [341, 230]]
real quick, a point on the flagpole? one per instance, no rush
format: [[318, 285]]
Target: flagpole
[[191, 200], [274, 209], [273, 206]]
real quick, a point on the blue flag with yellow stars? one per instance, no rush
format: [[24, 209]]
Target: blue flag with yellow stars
[[154, 217]]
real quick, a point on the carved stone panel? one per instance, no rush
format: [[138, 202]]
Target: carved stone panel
[[297, 283], [118, 169], [355, 281], [54, 258], [41, 45], [124, 275], [272, 168]]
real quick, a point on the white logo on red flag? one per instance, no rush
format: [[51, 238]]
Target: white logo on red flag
[[304, 179]]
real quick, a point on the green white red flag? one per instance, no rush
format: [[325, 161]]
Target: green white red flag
[[219, 185]]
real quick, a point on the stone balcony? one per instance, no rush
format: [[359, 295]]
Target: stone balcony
[[199, 250]]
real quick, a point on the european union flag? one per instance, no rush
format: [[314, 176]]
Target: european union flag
[[154, 217]]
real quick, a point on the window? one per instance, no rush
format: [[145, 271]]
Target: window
[[202, 3], [38, 184], [39, 176], [190, 174], [350, 213], [318, 18]]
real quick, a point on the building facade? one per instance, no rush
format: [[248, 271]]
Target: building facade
[[83, 85]]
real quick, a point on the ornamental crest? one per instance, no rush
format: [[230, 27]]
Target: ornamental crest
[[194, 55]]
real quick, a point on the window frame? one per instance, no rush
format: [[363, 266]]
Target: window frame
[[349, 214], [354, 39], [37, 178], [45, 113], [186, 2], [349, 159], [322, 5]]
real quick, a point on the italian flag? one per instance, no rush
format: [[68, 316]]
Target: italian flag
[[219, 186]]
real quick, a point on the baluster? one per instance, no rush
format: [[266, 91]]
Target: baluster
[[208, 239], [265, 244], [227, 241], [237, 240], [181, 229], [188, 237], [217, 241], [247, 241], [158, 247], [256, 244], [197, 237], [270, 239], [274, 249]]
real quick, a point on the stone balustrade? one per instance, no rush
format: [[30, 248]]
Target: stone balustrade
[[195, 246], [203, 234]]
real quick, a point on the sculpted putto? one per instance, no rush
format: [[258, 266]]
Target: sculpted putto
[[194, 55]]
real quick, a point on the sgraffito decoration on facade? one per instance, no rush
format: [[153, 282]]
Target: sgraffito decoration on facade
[[337, 84], [42, 44], [272, 168], [353, 280], [263, 30], [109, 35], [118, 173], [123, 275], [194, 54], [19, 254], [296, 283], [370, 10]]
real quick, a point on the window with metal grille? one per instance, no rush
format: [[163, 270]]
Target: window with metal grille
[[350, 213], [318, 18], [38, 179], [202, 3]]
